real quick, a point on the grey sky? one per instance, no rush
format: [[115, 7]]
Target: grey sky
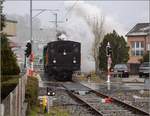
[[127, 13]]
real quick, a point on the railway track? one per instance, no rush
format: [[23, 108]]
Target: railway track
[[93, 98]]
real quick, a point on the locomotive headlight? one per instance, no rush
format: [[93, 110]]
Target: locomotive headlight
[[54, 61], [53, 93], [48, 93], [64, 53], [74, 61]]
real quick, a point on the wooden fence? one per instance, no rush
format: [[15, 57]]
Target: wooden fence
[[14, 104]]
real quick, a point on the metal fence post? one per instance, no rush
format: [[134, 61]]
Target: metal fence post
[[2, 109], [23, 94], [20, 97], [15, 112], [11, 103]]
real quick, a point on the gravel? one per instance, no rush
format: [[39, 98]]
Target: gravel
[[138, 98], [66, 102]]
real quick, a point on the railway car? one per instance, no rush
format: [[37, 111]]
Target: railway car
[[62, 58]]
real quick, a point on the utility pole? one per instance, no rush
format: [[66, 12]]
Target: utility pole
[[54, 13], [31, 21], [31, 62], [56, 23], [55, 20]]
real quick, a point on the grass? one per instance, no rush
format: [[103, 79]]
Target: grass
[[58, 111], [94, 78], [146, 94], [54, 111], [33, 111]]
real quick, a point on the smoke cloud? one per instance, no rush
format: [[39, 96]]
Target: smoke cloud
[[78, 29]]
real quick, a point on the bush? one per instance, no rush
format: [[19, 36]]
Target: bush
[[9, 64], [9, 78], [31, 93], [145, 57]]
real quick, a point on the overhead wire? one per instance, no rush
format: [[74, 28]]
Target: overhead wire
[[71, 8]]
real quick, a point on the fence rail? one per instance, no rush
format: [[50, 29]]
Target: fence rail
[[14, 104]]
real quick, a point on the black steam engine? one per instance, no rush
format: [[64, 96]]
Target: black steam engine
[[62, 58]]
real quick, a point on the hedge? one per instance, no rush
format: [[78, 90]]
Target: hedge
[[9, 64], [31, 93], [8, 84]]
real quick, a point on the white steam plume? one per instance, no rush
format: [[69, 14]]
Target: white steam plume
[[78, 29]]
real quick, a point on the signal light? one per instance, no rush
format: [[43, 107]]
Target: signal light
[[28, 49], [50, 92], [108, 50]]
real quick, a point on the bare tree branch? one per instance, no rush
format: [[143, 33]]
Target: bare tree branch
[[97, 24]]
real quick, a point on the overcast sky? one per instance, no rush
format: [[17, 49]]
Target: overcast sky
[[127, 13]]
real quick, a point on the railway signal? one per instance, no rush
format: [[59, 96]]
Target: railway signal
[[50, 92], [108, 49], [109, 62], [29, 53], [28, 49]]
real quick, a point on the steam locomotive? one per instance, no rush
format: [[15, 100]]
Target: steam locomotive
[[62, 58]]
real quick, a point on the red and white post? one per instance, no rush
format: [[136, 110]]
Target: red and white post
[[109, 62], [31, 62]]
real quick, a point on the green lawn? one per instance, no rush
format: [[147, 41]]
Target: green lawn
[[58, 111], [33, 111], [54, 111]]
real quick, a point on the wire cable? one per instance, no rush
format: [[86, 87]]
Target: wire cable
[[71, 9]]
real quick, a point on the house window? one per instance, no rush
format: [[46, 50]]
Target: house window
[[137, 48]]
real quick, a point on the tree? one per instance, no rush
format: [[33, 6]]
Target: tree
[[2, 17], [98, 29], [119, 50], [9, 64], [146, 57]]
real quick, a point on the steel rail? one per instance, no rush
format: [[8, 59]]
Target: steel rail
[[128, 106], [115, 100], [84, 102]]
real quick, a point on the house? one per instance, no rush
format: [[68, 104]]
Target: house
[[10, 31], [10, 28], [138, 39]]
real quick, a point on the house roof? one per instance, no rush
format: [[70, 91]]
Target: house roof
[[12, 21], [140, 29]]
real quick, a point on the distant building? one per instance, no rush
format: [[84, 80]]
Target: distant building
[[10, 28], [138, 39]]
